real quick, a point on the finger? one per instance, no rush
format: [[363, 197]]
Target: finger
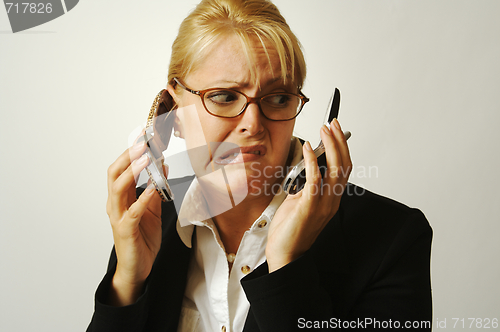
[[313, 175], [140, 138], [154, 206], [123, 162], [165, 170], [343, 148], [124, 186], [125, 159], [137, 210], [333, 160]]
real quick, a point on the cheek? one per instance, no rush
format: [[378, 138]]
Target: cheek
[[192, 131], [201, 128], [281, 138]]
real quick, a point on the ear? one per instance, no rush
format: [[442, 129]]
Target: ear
[[173, 94], [178, 128], [178, 131]]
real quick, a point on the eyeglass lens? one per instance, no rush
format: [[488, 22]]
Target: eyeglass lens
[[229, 103]]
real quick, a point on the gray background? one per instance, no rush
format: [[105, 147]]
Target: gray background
[[419, 82]]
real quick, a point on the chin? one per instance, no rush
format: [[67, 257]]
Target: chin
[[224, 184]]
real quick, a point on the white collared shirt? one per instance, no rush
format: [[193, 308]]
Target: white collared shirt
[[214, 299]]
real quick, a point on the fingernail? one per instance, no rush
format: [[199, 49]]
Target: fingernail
[[336, 123], [326, 130], [308, 146], [138, 146], [150, 189], [142, 160]]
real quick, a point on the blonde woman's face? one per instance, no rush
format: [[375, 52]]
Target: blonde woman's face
[[264, 145]]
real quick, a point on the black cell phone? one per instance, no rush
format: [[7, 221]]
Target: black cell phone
[[157, 136], [296, 178]]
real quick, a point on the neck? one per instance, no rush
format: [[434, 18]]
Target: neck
[[233, 223]]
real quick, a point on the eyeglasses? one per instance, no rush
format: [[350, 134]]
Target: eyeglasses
[[229, 103]]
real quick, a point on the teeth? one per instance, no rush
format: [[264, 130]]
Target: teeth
[[232, 155]]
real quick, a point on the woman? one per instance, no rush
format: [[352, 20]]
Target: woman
[[328, 255]]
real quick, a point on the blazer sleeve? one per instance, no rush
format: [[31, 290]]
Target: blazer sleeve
[[108, 318], [159, 306], [368, 270]]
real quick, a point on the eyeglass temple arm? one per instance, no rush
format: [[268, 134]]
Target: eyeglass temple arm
[[185, 87]]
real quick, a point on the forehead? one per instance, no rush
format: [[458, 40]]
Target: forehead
[[230, 60]]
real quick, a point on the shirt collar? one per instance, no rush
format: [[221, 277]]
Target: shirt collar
[[194, 210]]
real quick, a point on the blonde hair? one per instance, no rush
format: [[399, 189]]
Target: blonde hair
[[212, 20]]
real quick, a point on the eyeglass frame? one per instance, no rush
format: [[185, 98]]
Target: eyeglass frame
[[256, 100]]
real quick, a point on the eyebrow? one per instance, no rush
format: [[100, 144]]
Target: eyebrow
[[243, 85]]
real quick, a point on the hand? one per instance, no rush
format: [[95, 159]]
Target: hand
[[301, 217], [136, 225]]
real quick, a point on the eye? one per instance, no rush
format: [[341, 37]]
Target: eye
[[278, 101], [222, 97]]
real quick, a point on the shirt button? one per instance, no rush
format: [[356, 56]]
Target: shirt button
[[262, 224], [223, 329], [231, 257], [245, 269]]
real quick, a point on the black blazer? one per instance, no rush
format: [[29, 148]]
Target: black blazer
[[369, 270]]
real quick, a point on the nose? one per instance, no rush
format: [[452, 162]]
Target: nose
[[251, 122]]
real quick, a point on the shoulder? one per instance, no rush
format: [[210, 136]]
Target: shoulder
[[374, 256], [370, 229], [362, 209]]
